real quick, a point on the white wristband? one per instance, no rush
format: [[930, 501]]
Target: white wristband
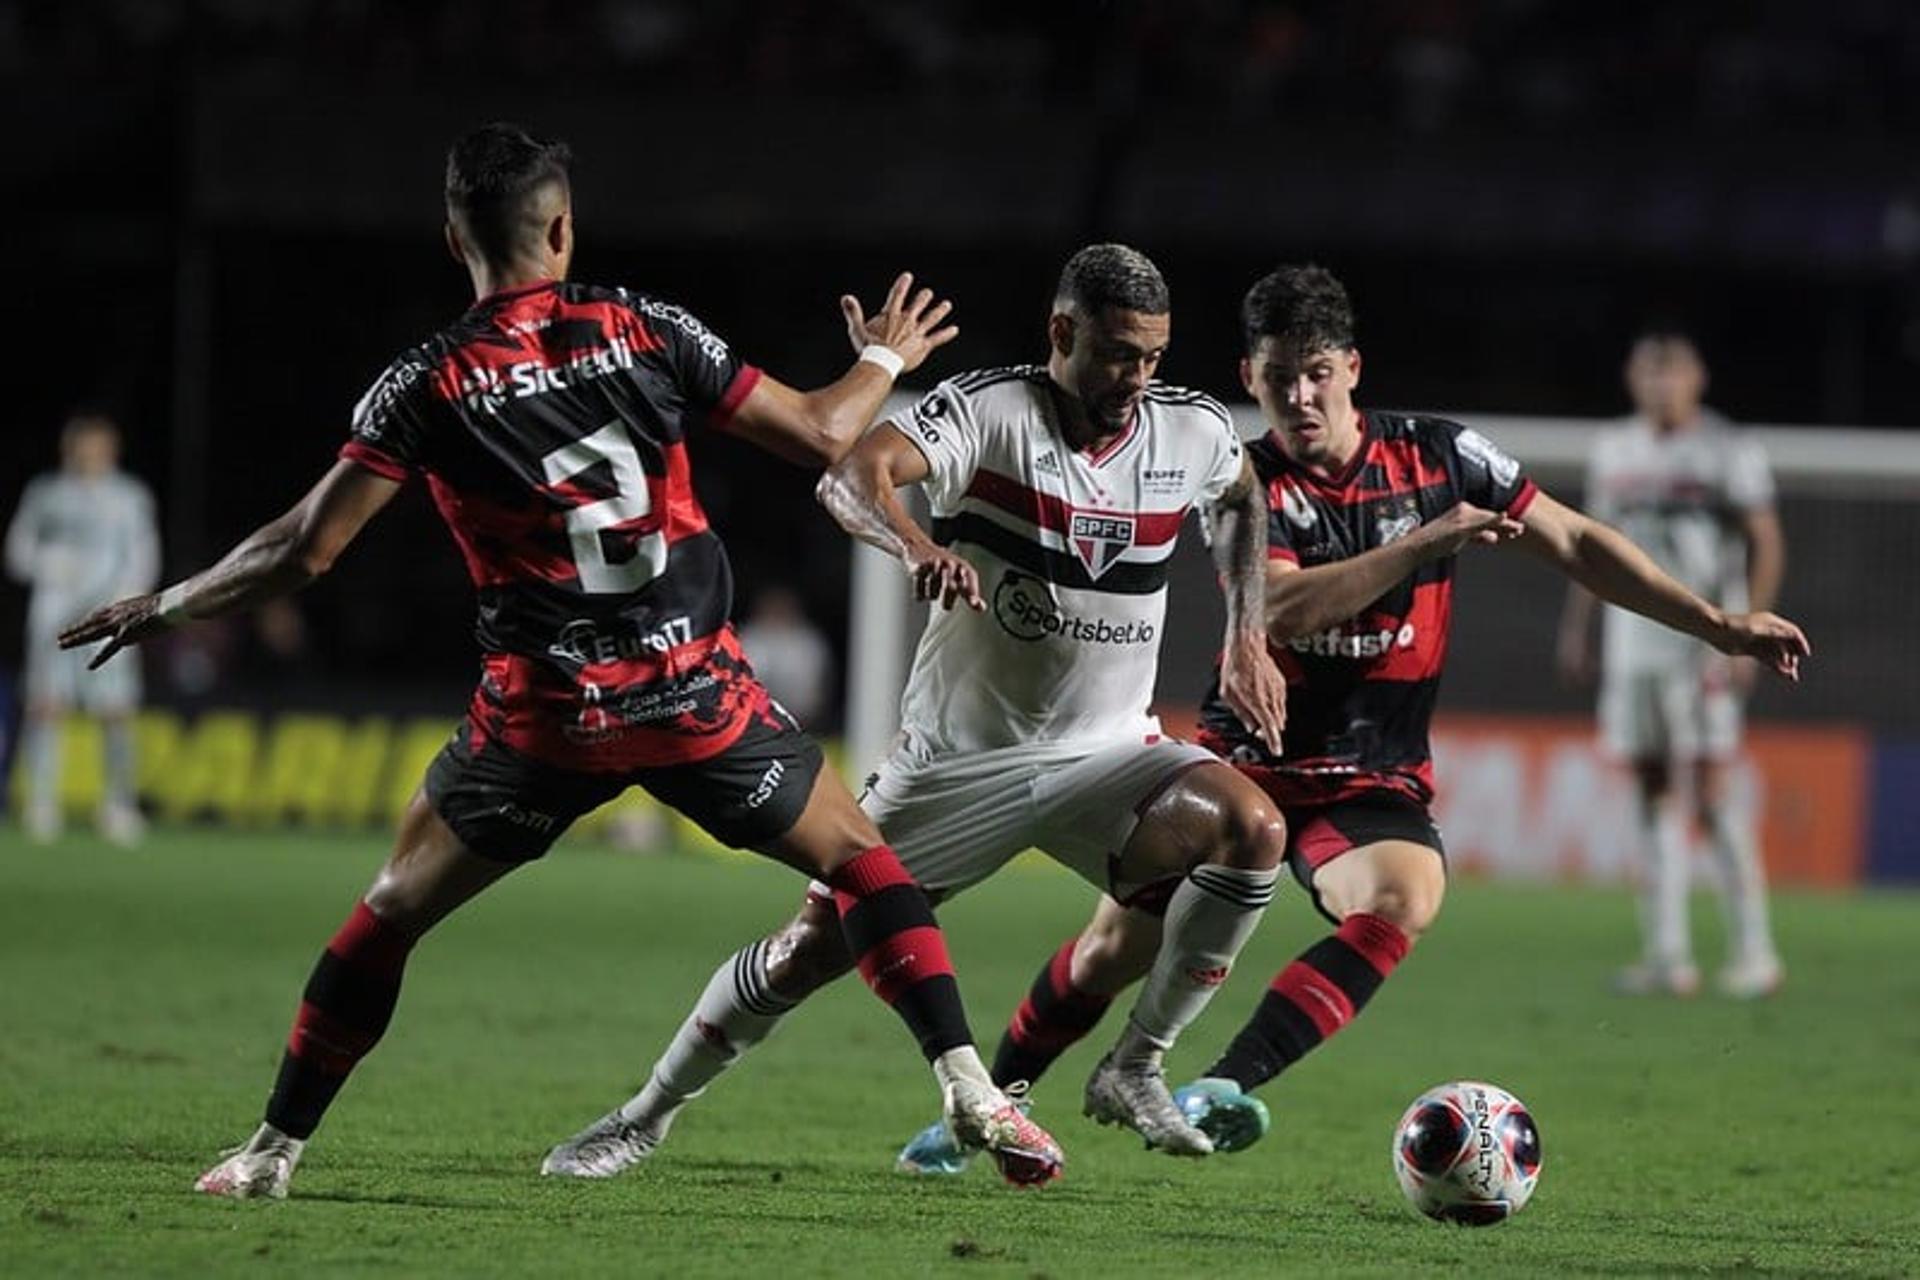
[[173, 605], [886, 357]]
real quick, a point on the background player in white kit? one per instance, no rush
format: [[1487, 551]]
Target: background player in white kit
[[83, 535], [1057, 495], [1697, 494]]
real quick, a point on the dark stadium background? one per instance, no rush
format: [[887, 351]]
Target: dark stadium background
[[224, 219]]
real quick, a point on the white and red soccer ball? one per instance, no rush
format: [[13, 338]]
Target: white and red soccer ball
[[1467, 1152]]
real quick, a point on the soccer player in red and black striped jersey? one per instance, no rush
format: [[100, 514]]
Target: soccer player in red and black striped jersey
[[549, 423], [1368, 513]]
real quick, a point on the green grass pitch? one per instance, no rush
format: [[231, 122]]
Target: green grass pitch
[[144, 997]]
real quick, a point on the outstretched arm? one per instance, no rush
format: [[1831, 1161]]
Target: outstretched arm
[[860, 492], [1237, 533], [816, 428], [1303, 601], [1605, 562], [281, 556]]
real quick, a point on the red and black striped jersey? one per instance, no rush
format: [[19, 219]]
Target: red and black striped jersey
[[550, 424], [1360, 694]]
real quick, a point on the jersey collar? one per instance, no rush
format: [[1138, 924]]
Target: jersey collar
[[1341, 478]]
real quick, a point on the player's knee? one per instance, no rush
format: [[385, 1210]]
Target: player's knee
[[808, 953], [1250, 834], [398, 901], [1411, 904]]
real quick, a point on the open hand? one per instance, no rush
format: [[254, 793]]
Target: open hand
[[120, 624], [910, 326]]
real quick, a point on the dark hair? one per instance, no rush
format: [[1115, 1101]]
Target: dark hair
[[1113, 275], [1303, 307], [494, 175]]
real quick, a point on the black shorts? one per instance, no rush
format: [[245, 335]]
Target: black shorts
[[1317, 834], [510, 807]]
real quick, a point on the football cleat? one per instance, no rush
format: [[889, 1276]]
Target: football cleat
[[1650, 979], [259, 1169], [1135, 1095], [933, 1151], [608, 1146], [122, 824], [1751, 979], [1230, 1117], [983, 1118]]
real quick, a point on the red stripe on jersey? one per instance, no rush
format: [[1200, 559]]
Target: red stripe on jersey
[[1428, 614], [375, 460], [525, 323], [736, 395], [1282, 553], [541, 712], [1522, 500], [502, 544], [1150, 528], [1098, 455], [620, 673]]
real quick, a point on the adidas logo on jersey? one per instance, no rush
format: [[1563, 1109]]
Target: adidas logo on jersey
[[1047, 464]]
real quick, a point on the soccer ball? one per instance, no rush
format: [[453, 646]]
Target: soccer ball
[[1467, 1152]]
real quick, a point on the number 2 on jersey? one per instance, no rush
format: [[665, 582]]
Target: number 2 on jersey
[[631, 500]]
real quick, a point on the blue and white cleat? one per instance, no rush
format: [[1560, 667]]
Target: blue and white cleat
[[934, 1152], [1234, 1119]]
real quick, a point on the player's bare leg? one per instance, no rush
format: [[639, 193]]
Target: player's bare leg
[[1753, 963], [1666, 963], [1225, 835], [350, 997], [40, 748], [1385, 896], [877, 920]]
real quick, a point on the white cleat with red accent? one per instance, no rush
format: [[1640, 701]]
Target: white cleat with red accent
[[983, 1118], [259, 1169]]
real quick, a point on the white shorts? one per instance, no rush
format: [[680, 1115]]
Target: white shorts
[[956, 820], [1689, 714], [60, 676]]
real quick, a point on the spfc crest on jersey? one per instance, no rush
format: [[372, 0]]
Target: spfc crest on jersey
[[1099, 539]]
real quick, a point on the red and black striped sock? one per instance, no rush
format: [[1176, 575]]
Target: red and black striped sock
[[344, 1011], [900, 950], [1313, 997], [1053, 1017]]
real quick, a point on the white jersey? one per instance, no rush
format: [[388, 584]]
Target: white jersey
[[1073, 550], [1682, 496], [81, 542]]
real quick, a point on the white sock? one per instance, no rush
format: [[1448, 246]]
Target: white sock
[[737, 1011], [1210, 917], [962, 1063], [40, 745], [1743, 886], [118, 741], [1664, 928]]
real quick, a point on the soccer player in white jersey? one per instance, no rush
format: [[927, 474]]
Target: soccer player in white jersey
[[83, 535], [1057, 494], [1685, 484]]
